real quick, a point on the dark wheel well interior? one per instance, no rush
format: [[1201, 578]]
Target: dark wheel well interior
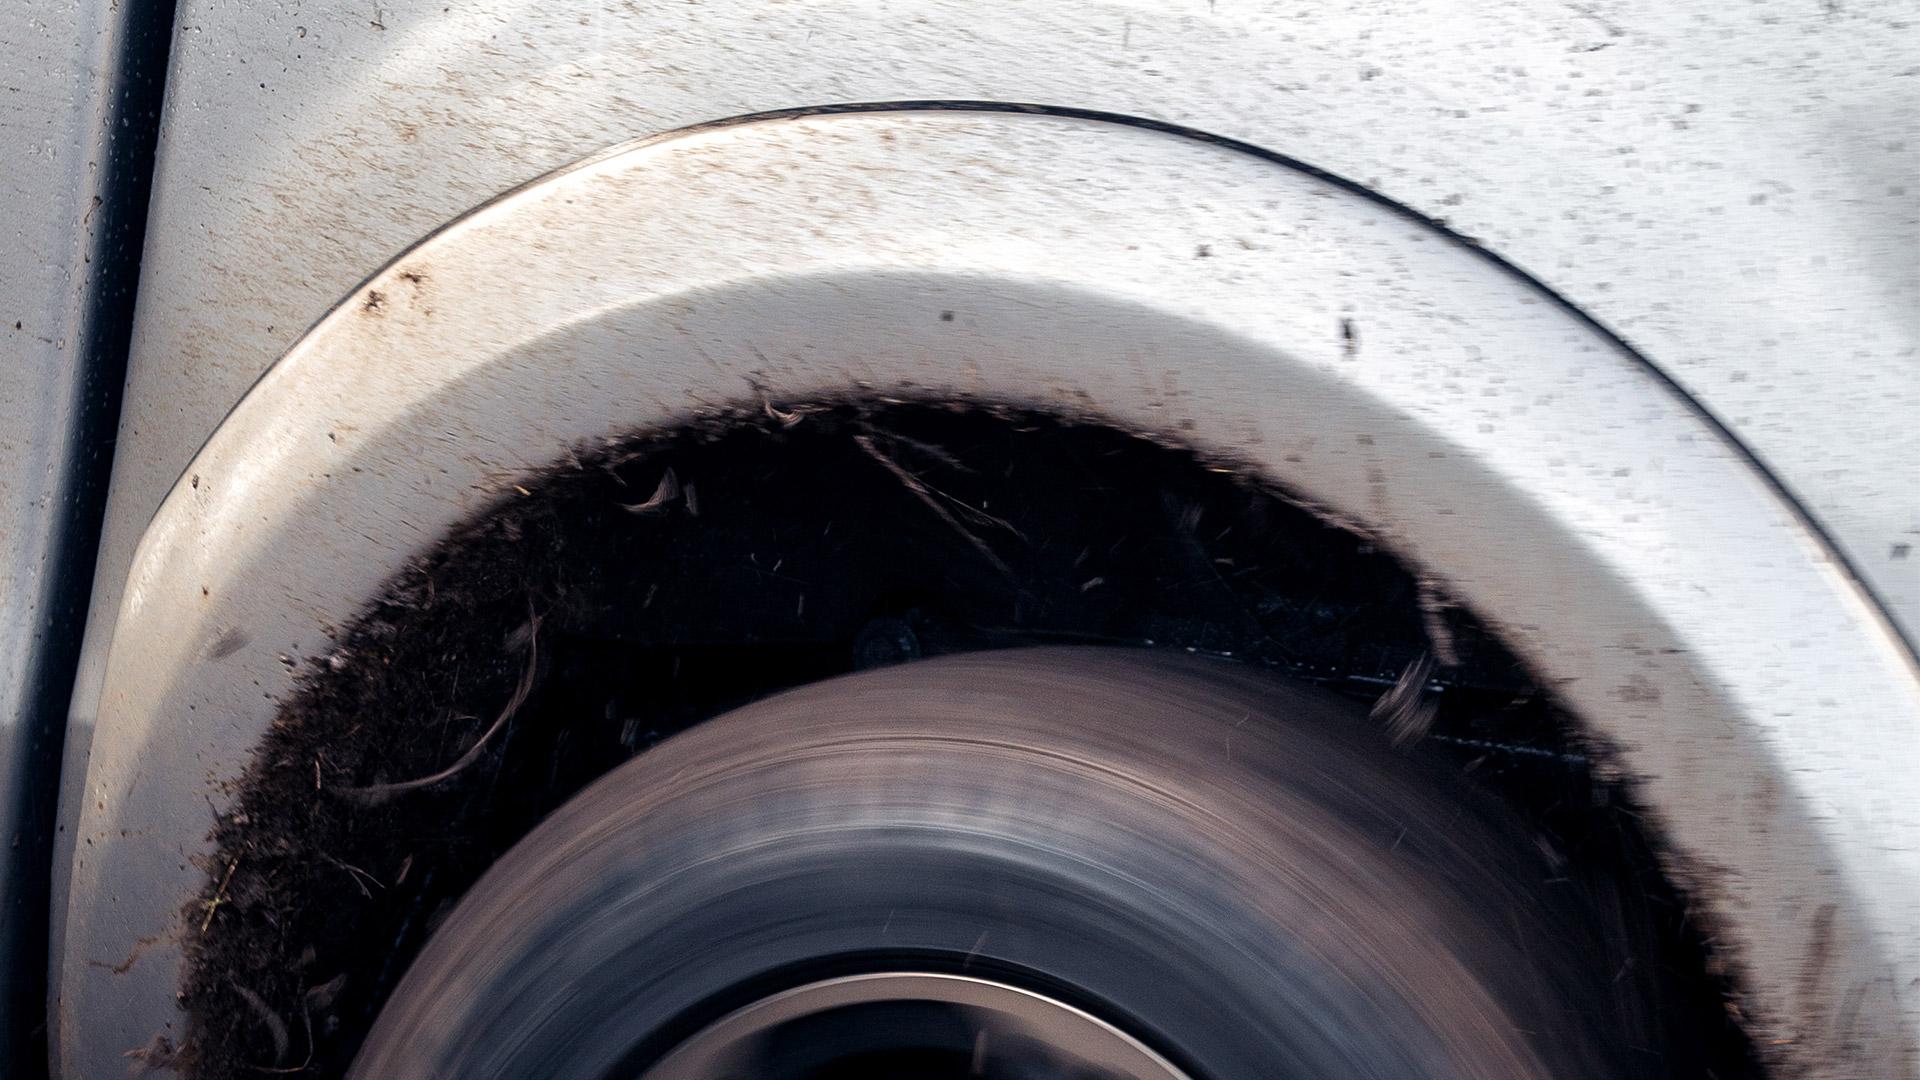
[[630, 590]]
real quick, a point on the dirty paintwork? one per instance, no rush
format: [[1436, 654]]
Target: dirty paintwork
[[79, 110], [1529, 465], [1743, 213]]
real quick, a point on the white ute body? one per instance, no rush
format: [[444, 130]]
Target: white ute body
[[1603, 316]]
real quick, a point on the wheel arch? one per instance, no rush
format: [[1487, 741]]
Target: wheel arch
[[1388, 373]]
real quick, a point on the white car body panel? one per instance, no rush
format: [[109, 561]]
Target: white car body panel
[[1726, 191]]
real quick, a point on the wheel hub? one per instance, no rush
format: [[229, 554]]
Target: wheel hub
[[929, 1026]]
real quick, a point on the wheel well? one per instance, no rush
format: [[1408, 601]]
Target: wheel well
[[636, 588]]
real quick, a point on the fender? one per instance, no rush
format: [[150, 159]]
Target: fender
[[1381, 369]]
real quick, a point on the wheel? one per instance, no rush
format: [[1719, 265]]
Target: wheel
[[1053, 862]]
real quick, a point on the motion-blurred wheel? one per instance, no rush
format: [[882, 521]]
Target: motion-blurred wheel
[[1048, 863]]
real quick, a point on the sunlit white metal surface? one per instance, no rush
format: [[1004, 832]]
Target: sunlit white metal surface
[[79, 100], [1531, 467], [1741, 211]]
